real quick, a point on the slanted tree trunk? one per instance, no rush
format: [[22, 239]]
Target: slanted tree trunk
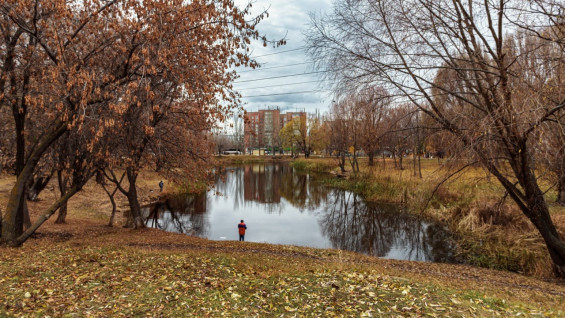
[[538, 213], [25, 235], [36, 186], [12, 223], [532, 203]]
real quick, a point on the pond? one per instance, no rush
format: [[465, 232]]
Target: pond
[[283, 206]]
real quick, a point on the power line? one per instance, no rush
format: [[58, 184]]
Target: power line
[[278, 85], [282, 76], [291, 93], [300, 48], [273, 67]]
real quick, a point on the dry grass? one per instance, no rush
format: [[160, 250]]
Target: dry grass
[[493, 232]]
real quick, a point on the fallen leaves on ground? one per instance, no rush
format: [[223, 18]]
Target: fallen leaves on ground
[[123, 274]]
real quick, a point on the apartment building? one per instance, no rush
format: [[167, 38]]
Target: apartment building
[[263, 127]]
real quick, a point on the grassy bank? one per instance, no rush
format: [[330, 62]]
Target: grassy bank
[[491, 232]]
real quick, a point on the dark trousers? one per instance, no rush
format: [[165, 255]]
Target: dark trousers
[[242, 237]]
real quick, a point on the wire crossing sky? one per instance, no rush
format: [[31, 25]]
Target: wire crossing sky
[[286, 78]]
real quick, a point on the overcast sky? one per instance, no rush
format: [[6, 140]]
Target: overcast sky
[[285, 79]]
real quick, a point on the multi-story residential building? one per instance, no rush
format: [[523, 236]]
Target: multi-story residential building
[[263, 127]]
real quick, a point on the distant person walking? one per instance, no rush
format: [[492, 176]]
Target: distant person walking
[[161, 185], [242, 227]]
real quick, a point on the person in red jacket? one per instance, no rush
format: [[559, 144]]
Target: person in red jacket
[[242, 227]]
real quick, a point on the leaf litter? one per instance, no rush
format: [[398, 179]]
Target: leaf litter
[[148, 273]]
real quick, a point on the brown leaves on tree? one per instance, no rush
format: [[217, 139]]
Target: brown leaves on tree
[[141, 81]]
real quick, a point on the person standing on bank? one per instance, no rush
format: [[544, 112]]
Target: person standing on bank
[[161, 185], [242, 227]]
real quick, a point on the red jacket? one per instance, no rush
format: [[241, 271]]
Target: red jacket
[[242, 227]]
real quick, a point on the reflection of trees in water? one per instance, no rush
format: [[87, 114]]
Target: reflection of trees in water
[[266, 184], [378, 230], [300, 190], [252, 183], [230, 182], [181, 214]]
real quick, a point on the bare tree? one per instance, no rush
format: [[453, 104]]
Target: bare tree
[[339, 139], [404, 47], [372, 106]]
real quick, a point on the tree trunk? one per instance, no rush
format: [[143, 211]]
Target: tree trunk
[[538, 212], [539, 215], [134, 218], [27, 219], [61, 217], [342, 161], [114, 209], [357, 164], [25, 235], [371, 156], [36, 186], [561, 190], [352, 160], [420, 167], [533, 205], [16, 220], [12, 223], [414, 162], [101, 180]]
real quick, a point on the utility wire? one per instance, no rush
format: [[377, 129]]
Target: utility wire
[[300, 48], [272, 67], [282, 76], [291, 93], [278, 85]]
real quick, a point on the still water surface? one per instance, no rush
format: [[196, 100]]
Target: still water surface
[[283, 206]]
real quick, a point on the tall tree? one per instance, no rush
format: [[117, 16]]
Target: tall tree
[[289, 136], [373, 103], [339, 139], [318, 134], [403, 46], [115, 67]]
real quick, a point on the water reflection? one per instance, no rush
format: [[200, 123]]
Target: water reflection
[[283, 206], [181, 214], [382, 230]]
